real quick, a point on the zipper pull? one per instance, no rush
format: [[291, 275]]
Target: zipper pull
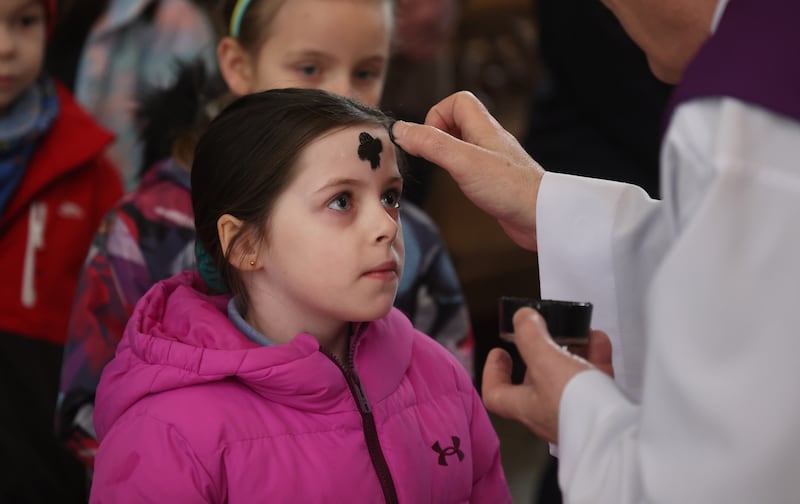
[[36, 219]]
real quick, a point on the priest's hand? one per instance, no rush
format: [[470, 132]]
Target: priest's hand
[[535, 402]]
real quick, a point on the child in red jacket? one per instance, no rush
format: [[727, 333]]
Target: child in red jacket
[[55, 185]]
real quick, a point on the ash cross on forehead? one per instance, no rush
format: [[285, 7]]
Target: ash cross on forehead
[[370, 148]]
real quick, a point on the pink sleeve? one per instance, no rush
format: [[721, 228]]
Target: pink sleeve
[[489, 483], [142, 459]]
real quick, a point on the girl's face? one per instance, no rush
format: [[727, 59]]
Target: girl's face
[[22, 43], [334, 249], [340, 46]]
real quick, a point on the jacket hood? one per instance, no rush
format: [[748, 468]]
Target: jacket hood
[[166, 170], [74, 140], [180, 336]]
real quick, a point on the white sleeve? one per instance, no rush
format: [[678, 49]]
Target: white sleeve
[[599, 241], [718, 416]]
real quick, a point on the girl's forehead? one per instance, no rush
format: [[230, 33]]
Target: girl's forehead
[[353, 137], [350, 15], [364, 146]]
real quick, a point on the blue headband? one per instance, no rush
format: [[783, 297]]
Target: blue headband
[[237, 15]]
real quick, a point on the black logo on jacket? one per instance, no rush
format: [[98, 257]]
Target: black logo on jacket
[[450, 450]]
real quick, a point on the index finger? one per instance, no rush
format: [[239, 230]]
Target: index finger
[[440, 148], [499, 395], [464, 116]]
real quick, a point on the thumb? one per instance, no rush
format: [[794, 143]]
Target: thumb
[[532, 336]]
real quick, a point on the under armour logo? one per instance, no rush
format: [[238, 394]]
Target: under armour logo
[[450, 450]]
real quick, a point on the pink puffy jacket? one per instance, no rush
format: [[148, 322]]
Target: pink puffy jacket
[[190, 410]]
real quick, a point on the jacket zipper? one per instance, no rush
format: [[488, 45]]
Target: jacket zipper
[[36, 219], [367, 419]]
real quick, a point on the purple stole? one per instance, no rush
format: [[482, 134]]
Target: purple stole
[[753, 56]]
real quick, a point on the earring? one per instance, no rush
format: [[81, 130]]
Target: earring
[[252, 262]]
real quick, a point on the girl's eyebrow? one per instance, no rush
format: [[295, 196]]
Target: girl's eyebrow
[[397, 179], [308, 53], [315, 53], [373, 59], [338, 182], [27, 5]]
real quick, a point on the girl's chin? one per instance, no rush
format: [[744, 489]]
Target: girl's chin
[[373, 314]]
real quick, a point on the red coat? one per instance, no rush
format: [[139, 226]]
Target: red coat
[[48, 224]]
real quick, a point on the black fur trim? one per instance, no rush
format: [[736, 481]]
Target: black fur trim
[[185, 108]]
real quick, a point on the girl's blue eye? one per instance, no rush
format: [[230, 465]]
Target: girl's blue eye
[[340, 202], [391, 198], [309, 70], [367, 74]]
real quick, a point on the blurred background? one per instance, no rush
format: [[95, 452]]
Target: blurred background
[[494, 54], [567, 81]]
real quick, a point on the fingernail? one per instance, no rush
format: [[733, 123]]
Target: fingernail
[[501, 356], [536, 316], [397, 129]]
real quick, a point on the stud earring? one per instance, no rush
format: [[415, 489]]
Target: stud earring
[[252, 262]]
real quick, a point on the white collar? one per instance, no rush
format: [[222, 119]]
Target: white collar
[[718, 14]]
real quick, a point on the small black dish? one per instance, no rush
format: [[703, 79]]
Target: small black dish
[[567, 321]]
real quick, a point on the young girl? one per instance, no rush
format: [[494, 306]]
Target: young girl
[[342, 46], [305, 384], [55, 186]]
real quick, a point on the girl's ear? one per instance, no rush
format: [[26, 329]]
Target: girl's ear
[[235, 65], [244, 255]]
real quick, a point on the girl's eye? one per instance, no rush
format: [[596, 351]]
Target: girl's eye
[[366, 75], [308, 70], [391, 198], [340, 202], [29, 20]]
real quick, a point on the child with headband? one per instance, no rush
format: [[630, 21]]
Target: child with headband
[[342, 46], [303, 384], [55, 187]]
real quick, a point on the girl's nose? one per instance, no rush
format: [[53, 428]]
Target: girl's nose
[[7, 43], [340, 84], [387, 225]]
